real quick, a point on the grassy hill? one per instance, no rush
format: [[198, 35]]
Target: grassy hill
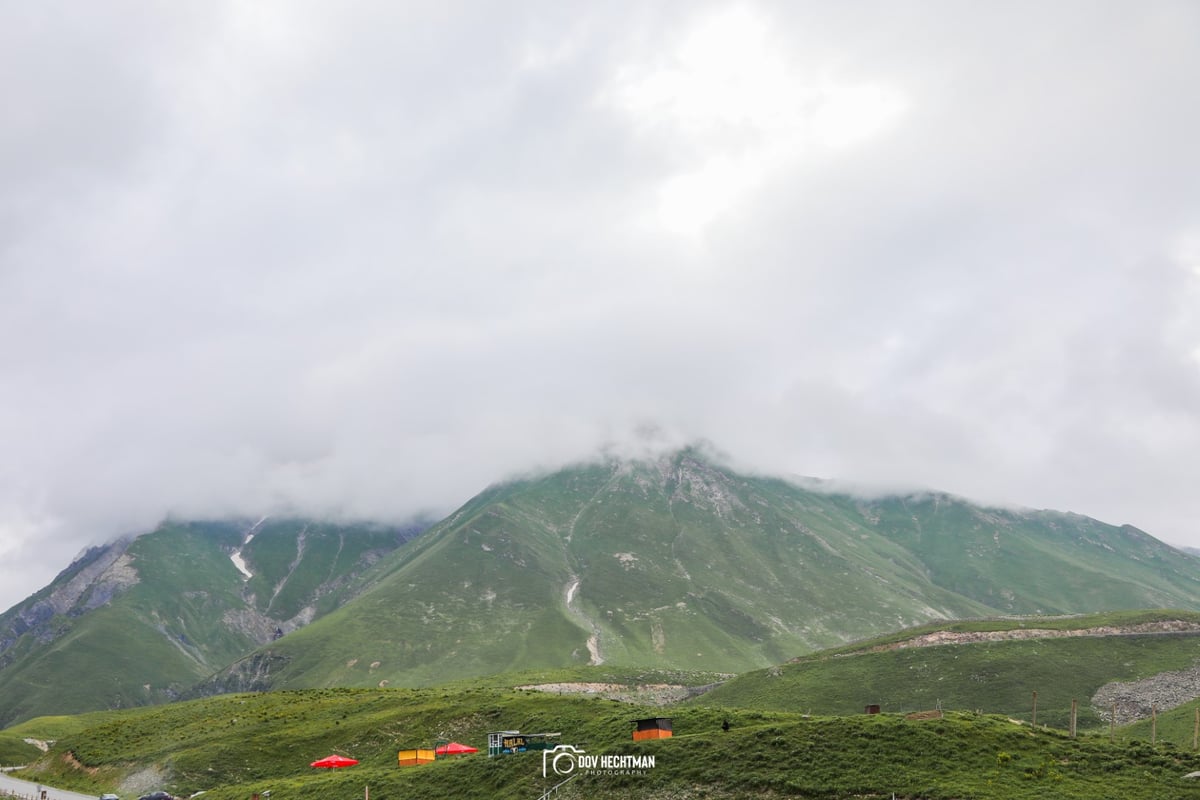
[[794, 730], [680, 563], [983, 670], [233, 746]]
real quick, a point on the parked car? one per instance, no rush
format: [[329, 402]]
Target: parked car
[[109, 796], [159, 795]]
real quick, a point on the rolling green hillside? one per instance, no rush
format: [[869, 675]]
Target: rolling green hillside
[[141, 621], [681, 563], [980, 666], [233, 746]]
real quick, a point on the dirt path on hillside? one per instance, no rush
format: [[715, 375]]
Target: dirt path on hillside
[[937, 638]]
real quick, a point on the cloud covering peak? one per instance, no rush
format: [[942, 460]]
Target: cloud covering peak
[[367, 259]]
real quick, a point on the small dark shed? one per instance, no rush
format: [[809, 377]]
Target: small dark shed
[[653, 728]]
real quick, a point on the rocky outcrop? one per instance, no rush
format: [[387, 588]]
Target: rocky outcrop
[[1129, 701], [261, 628], [252, 674], [652, 694], [91, 581]]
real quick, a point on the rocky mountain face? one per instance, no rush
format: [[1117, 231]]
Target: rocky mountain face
[[90, 582], [142, 619]]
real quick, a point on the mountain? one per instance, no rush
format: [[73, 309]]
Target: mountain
[[672, 563], [679, 562], [140, 620]]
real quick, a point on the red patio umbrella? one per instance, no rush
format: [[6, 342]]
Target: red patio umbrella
[[455, 749], [333, 762]]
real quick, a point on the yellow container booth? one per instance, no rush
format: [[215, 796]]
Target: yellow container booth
[[415, 758]]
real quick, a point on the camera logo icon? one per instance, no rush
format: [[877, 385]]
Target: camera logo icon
[[562, 760]]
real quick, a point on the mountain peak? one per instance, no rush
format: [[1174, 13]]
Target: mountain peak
[[666, 561]]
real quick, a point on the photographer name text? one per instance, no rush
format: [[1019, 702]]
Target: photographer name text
[[614, 762]]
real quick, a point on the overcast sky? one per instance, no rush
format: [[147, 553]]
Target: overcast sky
[[366, 258]]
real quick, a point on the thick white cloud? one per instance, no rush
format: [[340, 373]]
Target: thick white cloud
[[365, 258]]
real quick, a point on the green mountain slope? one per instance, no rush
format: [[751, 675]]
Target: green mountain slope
[[681, 563], [140, 621], [1036, 562]]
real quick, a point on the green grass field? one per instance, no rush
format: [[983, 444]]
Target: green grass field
[[233, 746]]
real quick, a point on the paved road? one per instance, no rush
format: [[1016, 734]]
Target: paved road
[[25, 789]]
